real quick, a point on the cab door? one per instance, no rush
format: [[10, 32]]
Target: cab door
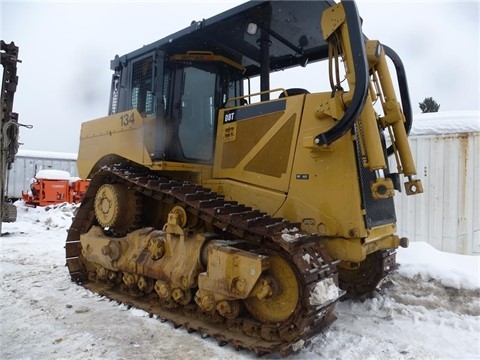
[[193, 115]]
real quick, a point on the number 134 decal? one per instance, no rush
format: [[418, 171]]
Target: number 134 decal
[[127, 119]]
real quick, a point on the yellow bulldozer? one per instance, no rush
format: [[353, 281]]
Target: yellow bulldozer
[[245, 215]]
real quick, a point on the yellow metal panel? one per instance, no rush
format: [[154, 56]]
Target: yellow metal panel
[[279, 145], [262, 150], [324, 191], [122, 134], [354, 250], [249, 133]]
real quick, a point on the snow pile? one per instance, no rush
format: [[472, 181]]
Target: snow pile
[[43, 218], [431, 309], [451, 270]]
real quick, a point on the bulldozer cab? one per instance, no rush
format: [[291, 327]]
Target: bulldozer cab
[[184, 80], [184, 93]]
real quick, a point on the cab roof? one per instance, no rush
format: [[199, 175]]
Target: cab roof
[[292, 29]]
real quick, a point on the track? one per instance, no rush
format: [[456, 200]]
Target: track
[[304, 252]]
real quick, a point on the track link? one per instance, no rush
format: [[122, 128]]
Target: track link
[[305, 253]]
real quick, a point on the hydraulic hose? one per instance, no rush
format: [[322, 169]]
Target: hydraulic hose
[[403, 87], [361, 77]]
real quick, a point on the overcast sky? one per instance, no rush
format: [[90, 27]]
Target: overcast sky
[[66, 48]]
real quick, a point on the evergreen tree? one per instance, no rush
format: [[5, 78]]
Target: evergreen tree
[[429, 105]]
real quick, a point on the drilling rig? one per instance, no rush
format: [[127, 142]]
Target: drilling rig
[[8, 127]]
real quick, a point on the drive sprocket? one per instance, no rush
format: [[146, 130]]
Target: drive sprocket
[[116, 208], [360, 280]]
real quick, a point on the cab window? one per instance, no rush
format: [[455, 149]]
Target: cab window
[[142, 95]]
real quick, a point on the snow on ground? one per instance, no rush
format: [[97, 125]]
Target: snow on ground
[[431, 309]]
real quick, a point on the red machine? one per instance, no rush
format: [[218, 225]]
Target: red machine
[[48, 191]]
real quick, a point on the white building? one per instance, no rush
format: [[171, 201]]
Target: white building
[[446, 149]]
